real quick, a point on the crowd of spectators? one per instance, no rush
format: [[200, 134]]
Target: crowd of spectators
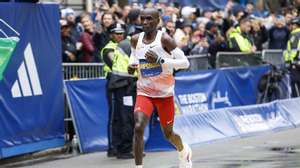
[[195, 30]]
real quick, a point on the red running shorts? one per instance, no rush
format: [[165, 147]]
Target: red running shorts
[[164, 106]]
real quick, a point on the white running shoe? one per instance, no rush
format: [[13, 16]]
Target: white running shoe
[[185, 160]]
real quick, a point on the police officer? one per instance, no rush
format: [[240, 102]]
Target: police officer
[[239, 38], [120, 95], [115, 58], [292, 58]]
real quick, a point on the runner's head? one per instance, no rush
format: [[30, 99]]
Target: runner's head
[[150, 19]]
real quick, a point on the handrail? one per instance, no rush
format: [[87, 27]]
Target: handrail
[[198, 62], [198, 56], [81, 64], [237, 53]]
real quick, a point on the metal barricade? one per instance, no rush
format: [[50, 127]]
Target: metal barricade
[[231, 59], [95, 70], [82, 70], [76, 71], [198, 62], [274, 57]]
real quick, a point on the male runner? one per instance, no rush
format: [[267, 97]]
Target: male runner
[[155, 55]]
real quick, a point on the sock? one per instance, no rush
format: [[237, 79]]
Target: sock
[[183, 153], [139, 166]]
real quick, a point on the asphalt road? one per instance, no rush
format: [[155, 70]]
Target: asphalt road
[[267, 150]]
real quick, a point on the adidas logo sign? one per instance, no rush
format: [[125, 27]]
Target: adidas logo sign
[[28, 82]]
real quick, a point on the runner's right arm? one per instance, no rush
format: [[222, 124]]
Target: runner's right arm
[[133, 60]]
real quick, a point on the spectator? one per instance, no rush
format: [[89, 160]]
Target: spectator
[[259, 34], [200, 44], [194, 16], [170, 28], [206, 16], [288, 16], [201, 29], [278, 34], [238, 14], [239, 38], [101, 39], [186, 40], [133, 22], [186, 11], [211, 31], [249, 8], [86, 38], [219, 44], [69, 15], [169, 14], [187, 27], [181, 37], [125, 12], [69, 51], [216, 22]]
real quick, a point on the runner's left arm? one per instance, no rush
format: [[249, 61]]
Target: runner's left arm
[[179, 60]]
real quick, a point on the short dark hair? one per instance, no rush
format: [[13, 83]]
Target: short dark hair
[[245, 19], [133, 15]]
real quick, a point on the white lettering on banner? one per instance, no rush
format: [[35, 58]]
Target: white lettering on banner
[[194, 108], [192, 98], [183, 99], [217, 98], [193, 102], [251, 123]]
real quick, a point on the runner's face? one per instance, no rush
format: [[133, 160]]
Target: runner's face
[[149, 22]]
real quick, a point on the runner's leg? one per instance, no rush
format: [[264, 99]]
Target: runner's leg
[[165, 108], [142, 112]]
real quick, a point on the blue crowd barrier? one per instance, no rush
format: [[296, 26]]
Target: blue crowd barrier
[[201, 126], [218, 88], [239, 121], [89, 111]]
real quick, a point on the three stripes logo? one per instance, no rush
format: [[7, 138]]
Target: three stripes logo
[[28, 82]]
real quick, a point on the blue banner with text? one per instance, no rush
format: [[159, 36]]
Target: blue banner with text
[[200, 91]]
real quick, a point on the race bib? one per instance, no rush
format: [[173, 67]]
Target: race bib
[[149, 69]]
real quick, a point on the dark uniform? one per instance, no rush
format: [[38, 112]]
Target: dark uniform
[[121, 91]]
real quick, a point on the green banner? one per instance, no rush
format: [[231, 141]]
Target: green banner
[[7, 46]]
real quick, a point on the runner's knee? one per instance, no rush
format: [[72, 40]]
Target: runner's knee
[[139, 128]]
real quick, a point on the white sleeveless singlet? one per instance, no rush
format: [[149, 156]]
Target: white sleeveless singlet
[[154, 80]]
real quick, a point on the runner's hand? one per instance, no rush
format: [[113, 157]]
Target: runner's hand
[[151, 56]]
